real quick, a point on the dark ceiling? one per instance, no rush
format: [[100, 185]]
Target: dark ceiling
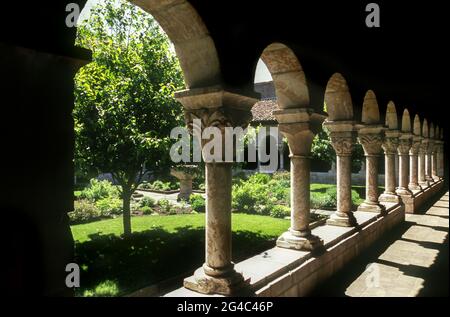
[[403, 60]]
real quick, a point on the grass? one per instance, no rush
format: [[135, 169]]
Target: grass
[[161, 247]]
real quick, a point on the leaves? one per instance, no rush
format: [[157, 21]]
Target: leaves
[[124, 104]]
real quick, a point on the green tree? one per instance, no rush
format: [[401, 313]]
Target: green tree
[[124, 108]]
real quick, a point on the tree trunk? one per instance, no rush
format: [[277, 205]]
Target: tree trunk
[[126, 197]]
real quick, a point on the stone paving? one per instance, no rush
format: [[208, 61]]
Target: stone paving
[[411, 261]]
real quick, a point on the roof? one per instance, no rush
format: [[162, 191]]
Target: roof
[[263, 110]]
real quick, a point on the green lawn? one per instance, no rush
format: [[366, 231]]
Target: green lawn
[[161, 247]]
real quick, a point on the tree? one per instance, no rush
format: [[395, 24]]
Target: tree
[[124, 104]]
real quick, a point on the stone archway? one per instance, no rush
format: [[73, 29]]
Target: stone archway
[[193, 45]]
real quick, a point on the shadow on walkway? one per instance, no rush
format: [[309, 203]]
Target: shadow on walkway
[[412, 260]]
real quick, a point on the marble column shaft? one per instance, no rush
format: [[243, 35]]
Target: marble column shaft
[[371, 143], [413, 164], [390, 146], [403, 153]]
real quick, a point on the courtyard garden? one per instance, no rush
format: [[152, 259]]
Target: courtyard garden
[[167, 239]]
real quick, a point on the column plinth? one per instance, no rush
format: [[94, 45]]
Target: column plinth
[[390, 146], [342, 139], [297, 125]]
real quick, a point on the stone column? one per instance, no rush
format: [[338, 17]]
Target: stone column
[[413, 164], [422, 158], [429, 161], [281, 152], [390, 146], [371, 140], [440, 158], [342, 139], [185, 183], [397, 169], [403, 153], [297, 126], [216, 108], [434, 165]]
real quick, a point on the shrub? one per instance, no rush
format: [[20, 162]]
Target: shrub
[[164, 205], [84, 211], [259, 178], [284, 176], [147, 210], [147, 201], [197, 203], [145, 185], [160, 185], [105, 289], [280, 211], [109, 206], [98, 190]]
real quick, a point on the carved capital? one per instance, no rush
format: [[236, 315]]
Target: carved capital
[[390, 145], [404, 145], [342, 142], [423, 148], [415, 146], [299, 136], [222, 117], [371, 143]]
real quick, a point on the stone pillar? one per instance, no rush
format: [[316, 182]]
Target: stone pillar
[[413, 164], [390, 146], [342, 139], [397, 169], [297, 126], [422, 158], [429, 161], [403, 153], [371, 140], [281, 152], [216, 108], [440, 158], [185, 183], [434, 165]]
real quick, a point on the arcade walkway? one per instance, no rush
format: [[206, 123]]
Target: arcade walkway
[[411, 261]]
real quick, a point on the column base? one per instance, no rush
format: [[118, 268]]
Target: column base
[[424, 184], [371, 207], [403, 192], [389, 198], [429, 180], [307, 243], [414, 187], [341, 219], [229, 284]]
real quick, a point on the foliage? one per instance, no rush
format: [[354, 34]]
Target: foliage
[[280, 211], [147, 210], [98, 190], [109, 206], [157, 249], [165, 206], [84, 211], [197, 203], [322, 149], [124, 104], [159, 185], [104, 289], [147, 201]]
